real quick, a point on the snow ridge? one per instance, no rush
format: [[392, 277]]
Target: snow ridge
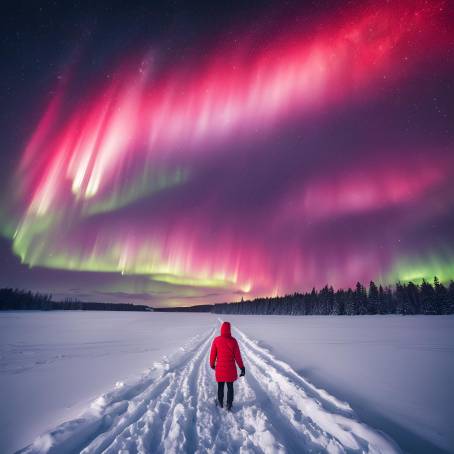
[[172, 409]]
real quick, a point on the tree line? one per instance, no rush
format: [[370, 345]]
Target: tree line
[[14, 299], [403, 298]]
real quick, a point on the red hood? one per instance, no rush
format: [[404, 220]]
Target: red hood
[[225, 330]]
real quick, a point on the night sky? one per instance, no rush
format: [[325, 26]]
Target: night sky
[[181, 153]]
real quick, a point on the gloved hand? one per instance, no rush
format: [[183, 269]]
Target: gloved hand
[[212, 366], [243, 371]]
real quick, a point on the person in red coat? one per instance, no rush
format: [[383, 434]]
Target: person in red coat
[[224, 353]]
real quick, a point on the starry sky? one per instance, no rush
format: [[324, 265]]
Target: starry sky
[[178, 153]]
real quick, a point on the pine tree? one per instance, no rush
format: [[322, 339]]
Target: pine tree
[[413, 298], [441, 297], [427, 298], [381, 301], [401, 306], [450, 298], [360, 300], [372, 307], [349, 303], [390, 301]]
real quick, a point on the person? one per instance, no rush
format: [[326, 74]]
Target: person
[[224, 353]]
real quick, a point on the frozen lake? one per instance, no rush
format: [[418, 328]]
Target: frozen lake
[[395, 372]]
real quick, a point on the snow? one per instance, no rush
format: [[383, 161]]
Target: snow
[[53, 364], [396, 372], [140, 382]]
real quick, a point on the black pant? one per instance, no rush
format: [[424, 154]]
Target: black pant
[[229, 392]]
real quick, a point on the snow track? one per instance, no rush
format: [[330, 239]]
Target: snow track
[[172, 409]]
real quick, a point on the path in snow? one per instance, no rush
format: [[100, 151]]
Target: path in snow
[[171, 409]]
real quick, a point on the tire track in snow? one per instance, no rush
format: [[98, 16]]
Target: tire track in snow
[[172, 410]]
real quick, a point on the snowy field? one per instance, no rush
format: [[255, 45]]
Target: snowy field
[[53, 364], [396, 372], [140, 382]]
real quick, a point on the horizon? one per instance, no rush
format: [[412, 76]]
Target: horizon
[[365, 286]]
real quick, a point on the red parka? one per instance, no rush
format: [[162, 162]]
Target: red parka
[[224, 353]]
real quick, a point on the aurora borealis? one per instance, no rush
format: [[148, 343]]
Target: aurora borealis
[[298, 146]]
